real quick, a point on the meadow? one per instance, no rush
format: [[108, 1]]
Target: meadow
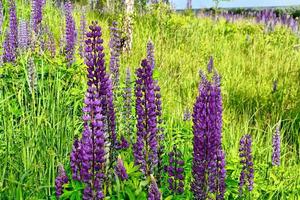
[[260, 78]]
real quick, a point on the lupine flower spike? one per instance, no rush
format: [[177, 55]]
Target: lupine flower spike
[[115, 50], [146, 147], [150, 54], [23, 37], [87, 159], [247, 173], [120, 170], [154, 193], [175, 171], [276, 146], [208, 166], [36, 15], [60, 180], [11, 40], [71, 34], [210, 64]]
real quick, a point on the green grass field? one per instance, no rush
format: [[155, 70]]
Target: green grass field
[[37, 131]]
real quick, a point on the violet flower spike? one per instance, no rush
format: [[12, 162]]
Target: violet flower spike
[[60, 180], [247, 173], [153, 192], [115, 50], [120, 170], [75, 160], [208, 166], [11, 40], [36, 14], [175, 171], [150, 54], [210, 64], [71, 34], [276, 146], [93, 139], [146, 145], [23, 36]]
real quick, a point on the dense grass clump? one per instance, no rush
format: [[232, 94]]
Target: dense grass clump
[[41, 101]]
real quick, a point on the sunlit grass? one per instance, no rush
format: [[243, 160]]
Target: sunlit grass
[[37, 131]]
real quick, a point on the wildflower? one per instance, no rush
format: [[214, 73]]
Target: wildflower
[[11, 40], [60, 180], [36, 14], [120, 170], [276, 146], [153, 193], [208, 166], [23, 37], [210, 65], [115, 45], [150, 54], [146, 145], [175, 171], [247, 173], [70, 33]]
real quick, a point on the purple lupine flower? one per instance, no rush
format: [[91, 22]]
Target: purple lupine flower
[[127, 106], [123, 144], [221, 164], [175, 171], [247, 173], [153, 192], [104, 87], [75, 158], [276, 146], [88, 155], [36, 14], [23, 36], [82, 30], [208, 166], [146, 146], [120, 170], [11, 41], [115, 49], [150, 54], [70, 33], [60, 180], [210, 64], [32, 76], [92, 143]]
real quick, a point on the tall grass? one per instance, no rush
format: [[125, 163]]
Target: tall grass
[[37, 131]]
